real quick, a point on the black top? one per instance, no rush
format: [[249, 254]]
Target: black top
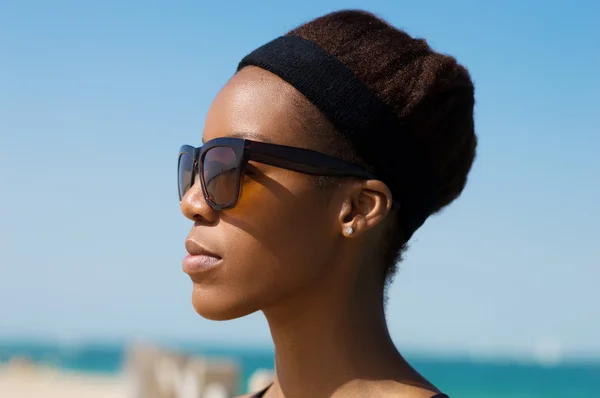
[[260, 394]]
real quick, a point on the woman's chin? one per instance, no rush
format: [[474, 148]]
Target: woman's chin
[[217, 309]]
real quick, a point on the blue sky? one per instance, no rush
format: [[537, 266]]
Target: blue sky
[[96, 99]]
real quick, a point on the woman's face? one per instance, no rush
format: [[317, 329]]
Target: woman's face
[[281, 237]]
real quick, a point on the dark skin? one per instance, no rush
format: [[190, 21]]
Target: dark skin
[[285, 251]]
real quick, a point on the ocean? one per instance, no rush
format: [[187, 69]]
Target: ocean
[[459, 378]]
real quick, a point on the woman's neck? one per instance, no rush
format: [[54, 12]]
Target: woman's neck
[[330, 341]]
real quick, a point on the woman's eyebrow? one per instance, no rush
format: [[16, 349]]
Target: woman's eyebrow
[[249, 135]]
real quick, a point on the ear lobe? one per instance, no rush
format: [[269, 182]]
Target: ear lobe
[[348, 218]]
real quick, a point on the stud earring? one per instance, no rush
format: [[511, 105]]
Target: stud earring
[[349, 230]]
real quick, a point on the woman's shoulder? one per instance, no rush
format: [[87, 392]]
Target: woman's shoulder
[[259, 394]]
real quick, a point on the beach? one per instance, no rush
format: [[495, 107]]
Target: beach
[[39, 382], [134, 372]]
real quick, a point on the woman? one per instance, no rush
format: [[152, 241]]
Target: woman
[[321, 157]]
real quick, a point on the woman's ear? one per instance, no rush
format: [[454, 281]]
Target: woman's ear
[[367, 204]]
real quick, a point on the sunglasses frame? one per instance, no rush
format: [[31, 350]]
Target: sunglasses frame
[[301, 160]]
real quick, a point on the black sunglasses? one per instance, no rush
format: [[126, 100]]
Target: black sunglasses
[[220, 165]]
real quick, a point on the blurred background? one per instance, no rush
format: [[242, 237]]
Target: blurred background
[[497, 297]]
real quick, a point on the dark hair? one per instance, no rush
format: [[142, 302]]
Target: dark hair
[[430, 92]]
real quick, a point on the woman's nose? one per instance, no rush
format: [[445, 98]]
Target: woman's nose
[[194, 205]]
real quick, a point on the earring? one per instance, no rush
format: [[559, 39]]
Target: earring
[[349, 230]]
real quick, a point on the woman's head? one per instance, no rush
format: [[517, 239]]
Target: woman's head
[[289, 233]]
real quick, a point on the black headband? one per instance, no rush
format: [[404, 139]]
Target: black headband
[[368, 122]]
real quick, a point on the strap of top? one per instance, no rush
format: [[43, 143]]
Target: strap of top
[[262, 392]]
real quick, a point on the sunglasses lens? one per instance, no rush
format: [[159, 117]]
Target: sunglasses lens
[[221, 175], [184, 173]]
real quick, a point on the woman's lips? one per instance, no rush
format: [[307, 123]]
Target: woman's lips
[[193, 264], [199, 259]]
